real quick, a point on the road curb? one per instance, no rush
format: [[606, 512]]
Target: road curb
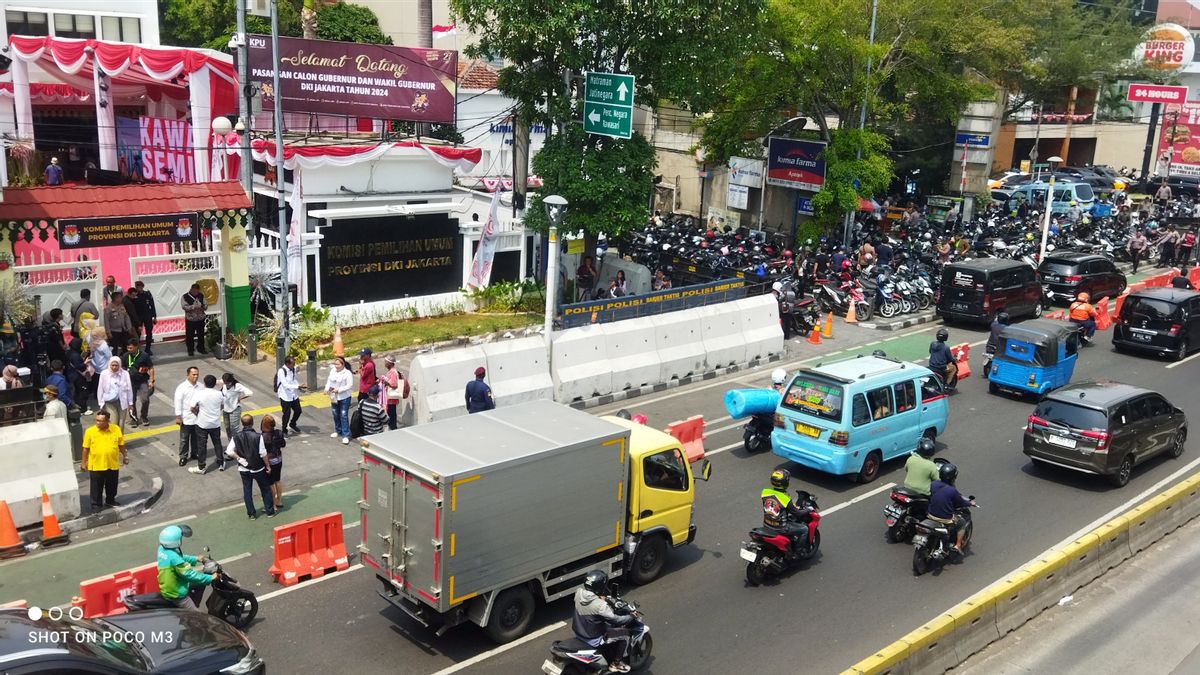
[[902, 324], [985, 617], [648, 389], [33, 535]]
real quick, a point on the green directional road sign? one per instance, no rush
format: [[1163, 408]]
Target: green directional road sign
[[608, 104]]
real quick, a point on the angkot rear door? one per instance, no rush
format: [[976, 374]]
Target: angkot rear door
[[962, 290]]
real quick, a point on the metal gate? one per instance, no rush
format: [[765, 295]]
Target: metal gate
[[58, 283], [169, 272]]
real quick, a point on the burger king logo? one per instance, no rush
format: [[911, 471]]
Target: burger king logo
[[1167, 47]]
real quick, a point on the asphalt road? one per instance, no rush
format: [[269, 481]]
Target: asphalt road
[[855, 597]]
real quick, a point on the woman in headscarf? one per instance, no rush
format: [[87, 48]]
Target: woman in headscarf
[[115, 392], [101, 354], [10, 379]]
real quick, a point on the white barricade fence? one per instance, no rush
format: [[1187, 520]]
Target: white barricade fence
[[761, 331], [632, 353], [438, 381], [517, 370], [579, 364], [680, 347], [721, 333]]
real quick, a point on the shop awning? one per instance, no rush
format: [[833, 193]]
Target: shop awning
[[89, 201], [867, 205]]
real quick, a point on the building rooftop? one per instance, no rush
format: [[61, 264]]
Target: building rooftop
[[90, 201], [477, 74]]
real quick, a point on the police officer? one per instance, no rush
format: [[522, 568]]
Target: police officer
[[780, 512], [479, 394]]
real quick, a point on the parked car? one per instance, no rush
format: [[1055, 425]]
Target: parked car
[[1160, 320], [1180, 185], [1006, 179], [1065, 192], [976, 290], [173, 641], [1066, 274], [1104, 428]]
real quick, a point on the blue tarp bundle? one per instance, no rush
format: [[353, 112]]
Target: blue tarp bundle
[[741, 403]]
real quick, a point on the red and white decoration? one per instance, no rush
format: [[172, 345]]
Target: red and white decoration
[[463, 159], [485, 255], [505, 183], [445, 31]]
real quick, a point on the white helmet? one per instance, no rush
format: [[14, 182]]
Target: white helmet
[[778, 376], [926, 236], [776, 286]]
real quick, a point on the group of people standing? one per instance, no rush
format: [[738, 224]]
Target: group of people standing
[[381, 397]]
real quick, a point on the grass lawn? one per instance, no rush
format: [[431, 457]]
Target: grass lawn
[[391, 336]]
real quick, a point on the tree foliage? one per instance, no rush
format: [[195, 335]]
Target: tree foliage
[[350, 23], [210, 23]]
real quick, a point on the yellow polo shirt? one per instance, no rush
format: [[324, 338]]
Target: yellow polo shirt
[[103, 448]]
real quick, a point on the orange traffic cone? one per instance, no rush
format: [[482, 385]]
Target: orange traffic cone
[[827, 330], [851, 315], [339, 349], [815, 337], [10, 543], [52, 534]]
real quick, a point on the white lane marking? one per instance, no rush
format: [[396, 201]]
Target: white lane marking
[[226, 561], [350, 525], [223, 508], [462, 665], [865, 495], [1180, 363], [308, 584], [75, 546], [727, 427], [723, 448], [331, 482]]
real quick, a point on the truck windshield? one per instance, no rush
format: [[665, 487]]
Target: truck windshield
[[814, 396]]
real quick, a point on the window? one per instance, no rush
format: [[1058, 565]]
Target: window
[[931, 388], [1159, 406], [1136, 410], [74, 26], [860, 414], [906, 396], [27, 23], [814, 396], [880, 401], [121, 28], [1071, 415], [665, 471]]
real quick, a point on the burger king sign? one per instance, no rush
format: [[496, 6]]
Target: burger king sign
[[1167, 47]]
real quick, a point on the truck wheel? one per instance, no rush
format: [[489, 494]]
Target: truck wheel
[[648, 560], [511, 615]]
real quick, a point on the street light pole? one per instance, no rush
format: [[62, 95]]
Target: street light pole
[[862, 115], [762, 192], [1053, 162], [281, 340], [556, 208]]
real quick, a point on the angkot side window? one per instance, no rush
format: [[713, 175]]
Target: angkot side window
[[906, 396], [931, 388], [880, 402], [665, 470]]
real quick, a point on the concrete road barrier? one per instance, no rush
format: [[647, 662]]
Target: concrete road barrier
[[579, 364], [760, 326], [518, 370], [632, 353], [931, 647], [438, 381], [974, 625], [1114, 543], [680, 346], [721, 332]]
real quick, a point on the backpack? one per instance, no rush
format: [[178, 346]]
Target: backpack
[[275, 382], [356, 422]]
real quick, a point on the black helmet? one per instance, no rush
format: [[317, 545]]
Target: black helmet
[[596, 581], [880, 353], [1003, 318], [943, 335], [947, 472], [926, 447], [624, 414], [780, 478]]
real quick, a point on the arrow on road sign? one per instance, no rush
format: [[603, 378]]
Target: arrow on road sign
[[594, 116], [621, 91]]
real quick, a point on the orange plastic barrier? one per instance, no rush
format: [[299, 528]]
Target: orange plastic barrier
[[1194, 276], [962, 352], [690, 433], [1135, 287], [105, 596], [1120, 301], [1103, 320], [308, 549], [15, 604], [1058, 315]]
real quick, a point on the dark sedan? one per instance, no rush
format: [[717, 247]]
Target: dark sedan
[[158, 641]]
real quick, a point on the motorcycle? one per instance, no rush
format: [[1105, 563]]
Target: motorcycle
[[576, 657], [227, 601], [771, 552], [756, 436], [906, 511], [933, 544]]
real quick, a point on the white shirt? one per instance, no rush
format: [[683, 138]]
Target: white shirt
[[341, 382], [231, 452], [55, 408], [231, 397], [184, 394], [209, 400], [289, 388]]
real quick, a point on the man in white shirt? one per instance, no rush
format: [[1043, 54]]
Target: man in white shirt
[[289, 394], [54, 407], [206, 404], [184, 417]]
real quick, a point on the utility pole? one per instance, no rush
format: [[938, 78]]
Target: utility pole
[[1155, 111], [281, 340], [244, 108]]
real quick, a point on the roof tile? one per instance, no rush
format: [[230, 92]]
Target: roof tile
[[477, 74], [90, 201]]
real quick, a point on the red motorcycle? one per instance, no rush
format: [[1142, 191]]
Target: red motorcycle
[[771, 552]]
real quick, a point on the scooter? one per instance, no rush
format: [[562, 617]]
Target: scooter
[[576, 657], [756, 436], [933, 544], [227, 601], [771, 552]]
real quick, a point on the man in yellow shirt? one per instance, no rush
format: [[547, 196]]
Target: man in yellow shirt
[[103, 453]]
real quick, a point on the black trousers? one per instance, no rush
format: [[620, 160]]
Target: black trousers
[[193, 337], [187, 433], [149, 328], [291, 412], [1137, 258], [104, 483], [200, 445], [264, 486]]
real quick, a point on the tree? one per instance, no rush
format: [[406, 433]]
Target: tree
[[210, 23], [677, 51], [349, 23]]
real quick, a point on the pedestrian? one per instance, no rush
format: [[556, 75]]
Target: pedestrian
[[374, 417], [338, 385], [275, 441], [1186, 244], [54, 407], [103, 454], [99, 354], [59, 380], [83, 305], [117, 322], [147, 311], [194, 311], [54, 172], [110, 288], [115, 393], [396, 390], [1166, 246], [479, 394], [246, 447], [130, 302], [1163, 195], [141, 378], [866, 254], [1181, 281], [10, 379], [1137, 246], [288, 390], [184, 416], [585, 279], [366, 372], [206, 404], [622, 283], [232, 395], [78, 374]]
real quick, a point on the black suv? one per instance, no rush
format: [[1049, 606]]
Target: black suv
[[1066, 274], [1103, 428], [1160, 320]]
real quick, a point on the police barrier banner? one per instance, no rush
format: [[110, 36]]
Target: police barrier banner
[[658, 302], [109, 231]]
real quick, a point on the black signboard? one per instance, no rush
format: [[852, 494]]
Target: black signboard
[[658, 302], [371, 259], [110, 231]]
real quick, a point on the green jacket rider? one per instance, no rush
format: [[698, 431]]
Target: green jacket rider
[[175, 573]]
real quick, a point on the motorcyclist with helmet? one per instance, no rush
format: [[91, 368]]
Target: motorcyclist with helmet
[[945, 500], [778, 380], [941, 360], [176, 576], [1083, 314], [595, 623], [920, 471], [780, 512], [1002, 319]]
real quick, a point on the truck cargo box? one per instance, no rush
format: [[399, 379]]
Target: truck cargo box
[[464, 506]]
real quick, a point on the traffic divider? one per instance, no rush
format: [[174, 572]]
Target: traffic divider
[[105, 596], [931, 647], [690, 434], [760, 327], [15, 604], [632, 355], [1050, 583], [437, 381], [1103, 320], [1147, 523], [1083, 560], [1120, 302], [974, 625], [308, 549], [1114, 543], [679, 343], [1015, 600], [721, 333], [1057, 315], [962, 354], [518, 371], [579, 364]]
